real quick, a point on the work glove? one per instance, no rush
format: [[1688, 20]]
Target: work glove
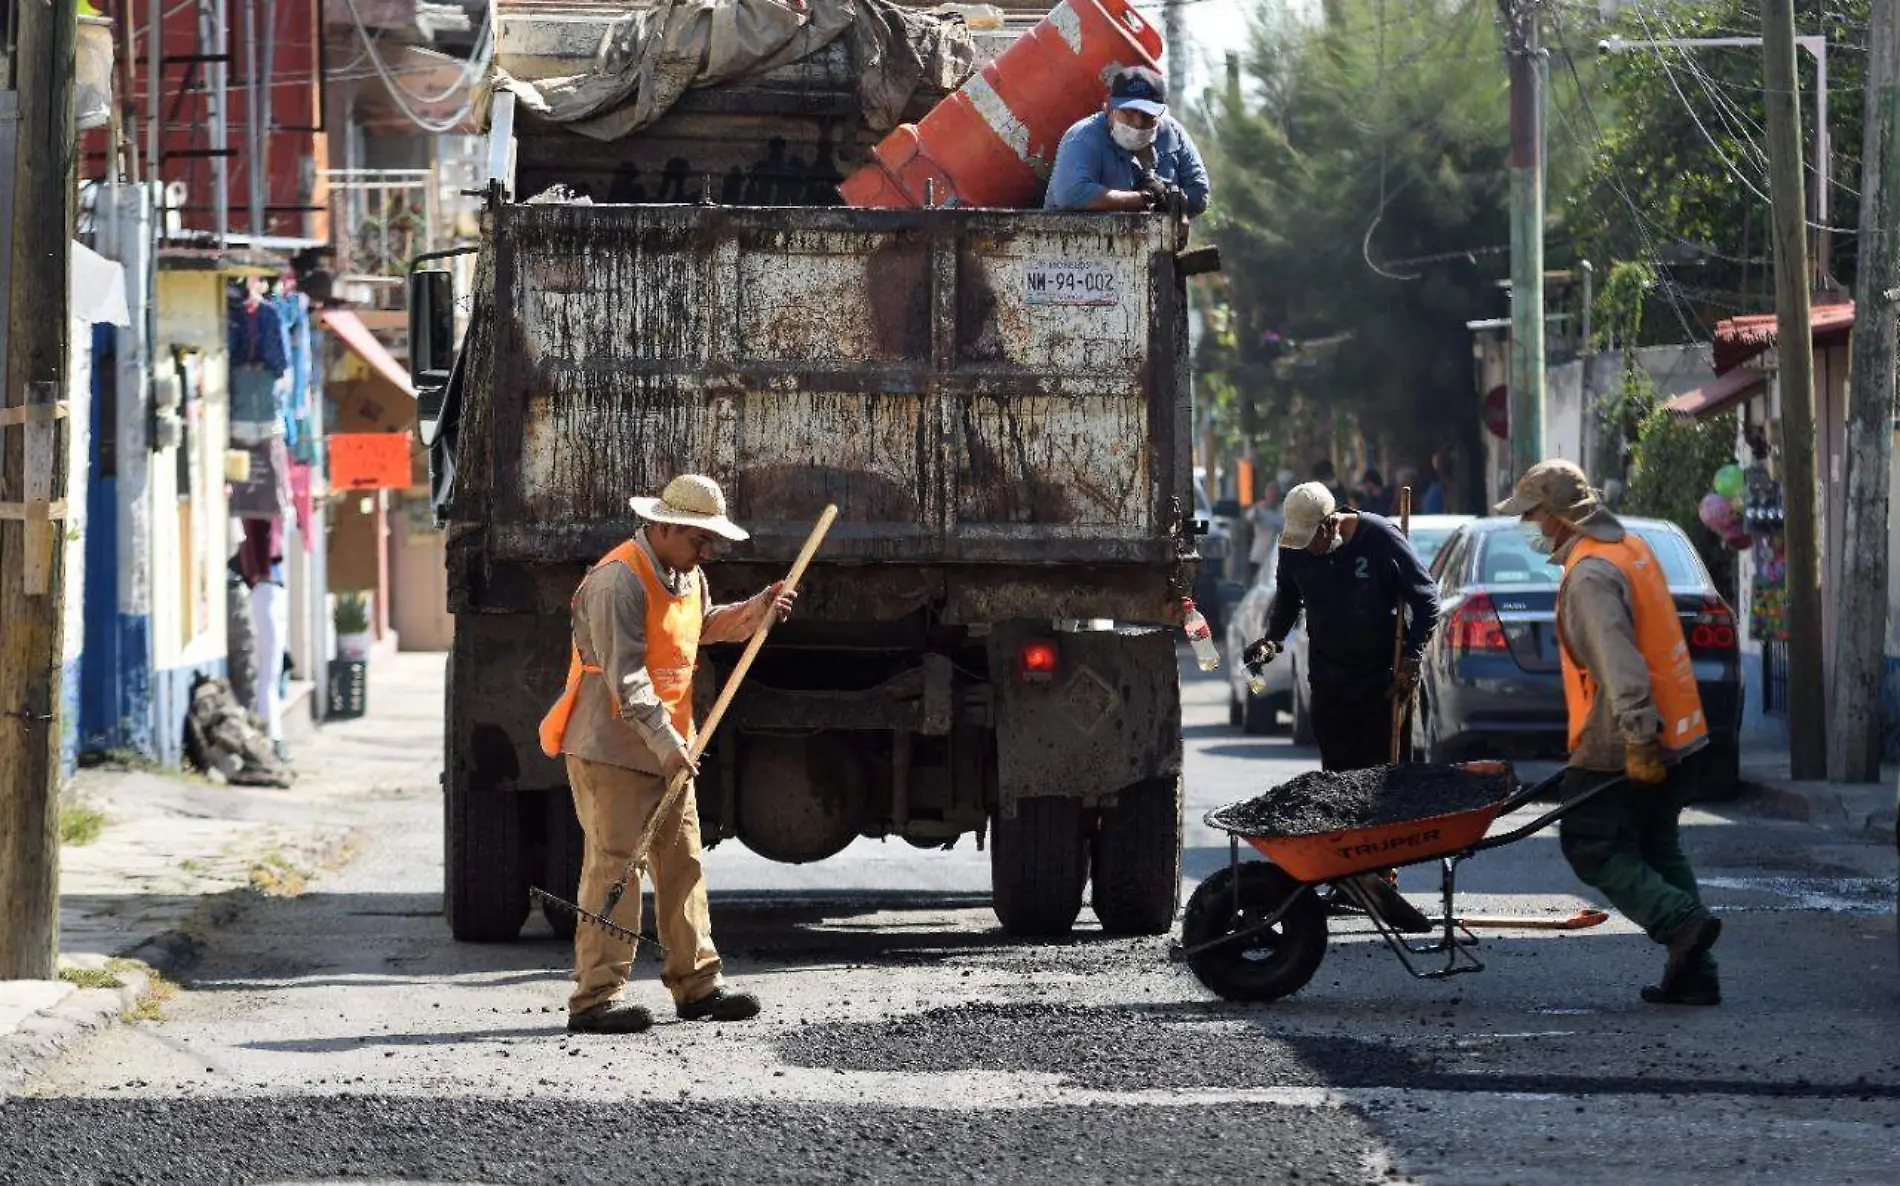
[[1159, 194], [1260, 653], [1404, 681], [1643, 764]]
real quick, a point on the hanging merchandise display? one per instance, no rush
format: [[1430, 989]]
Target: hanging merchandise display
[[1764, 519]]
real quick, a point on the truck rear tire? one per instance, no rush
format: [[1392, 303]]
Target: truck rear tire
[[1038, 866], [486, 897], [1136, 869], [561, 861]]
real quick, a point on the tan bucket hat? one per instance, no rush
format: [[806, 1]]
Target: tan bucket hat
[[690, 500]]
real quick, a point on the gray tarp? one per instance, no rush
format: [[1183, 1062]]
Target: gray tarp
[[655, 53]]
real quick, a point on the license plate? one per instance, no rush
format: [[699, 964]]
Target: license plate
[[1071, 283]]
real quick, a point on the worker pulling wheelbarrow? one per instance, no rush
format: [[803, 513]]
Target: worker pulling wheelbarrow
[[1256, 930]]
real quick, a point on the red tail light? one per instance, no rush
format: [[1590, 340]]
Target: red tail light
[[1036, 662], [1474, 626], [1713, 628]]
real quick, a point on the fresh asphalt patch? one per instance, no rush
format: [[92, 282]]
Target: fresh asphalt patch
[[210, 1142], [1190, 1047], [1100, 1048]]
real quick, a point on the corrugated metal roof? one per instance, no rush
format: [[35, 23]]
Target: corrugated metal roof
[[1741, 338], [1712, 399]]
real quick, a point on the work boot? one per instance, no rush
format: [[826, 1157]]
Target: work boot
[[611, 1017], [1400, 914], [1694, 990], [721, 1004], [1687, 945]]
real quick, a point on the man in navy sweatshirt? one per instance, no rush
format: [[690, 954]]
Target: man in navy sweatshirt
[[1353, 574]]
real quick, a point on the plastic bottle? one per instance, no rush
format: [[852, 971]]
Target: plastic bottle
[[1256, 680], [977, 16], [1205, 652]]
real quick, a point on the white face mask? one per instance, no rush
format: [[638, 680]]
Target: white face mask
[[1132, 139]]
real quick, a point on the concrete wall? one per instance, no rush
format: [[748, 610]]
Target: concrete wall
[[190, 526]]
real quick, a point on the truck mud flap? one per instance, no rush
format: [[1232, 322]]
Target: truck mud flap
[[1100, 714]]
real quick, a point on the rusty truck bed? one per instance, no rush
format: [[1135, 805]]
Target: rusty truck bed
[[994, 388]]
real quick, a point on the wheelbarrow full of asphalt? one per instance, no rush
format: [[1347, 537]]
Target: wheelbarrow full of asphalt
[[1257, 930]]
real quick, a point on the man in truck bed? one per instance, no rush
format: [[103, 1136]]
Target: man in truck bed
[[624, 722], [1132, 156]]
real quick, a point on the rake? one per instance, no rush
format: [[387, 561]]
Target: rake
[[681, 783]]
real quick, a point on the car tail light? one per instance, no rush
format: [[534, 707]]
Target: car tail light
[[1713, 628], [1474, 626], [1037, 661]]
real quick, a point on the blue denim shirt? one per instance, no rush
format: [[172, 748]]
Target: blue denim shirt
[[1089, 163]]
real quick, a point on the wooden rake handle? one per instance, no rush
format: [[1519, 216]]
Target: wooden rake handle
[[1398, 632], [679, 782]]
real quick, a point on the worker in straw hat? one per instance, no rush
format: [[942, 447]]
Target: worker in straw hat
[[1634, 709], [624, 722]]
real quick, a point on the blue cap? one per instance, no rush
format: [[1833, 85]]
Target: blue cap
[[1139, 88]]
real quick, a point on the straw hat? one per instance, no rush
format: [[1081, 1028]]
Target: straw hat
[[690, 500]]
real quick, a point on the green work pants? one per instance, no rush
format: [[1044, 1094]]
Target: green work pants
[[1626, 844]]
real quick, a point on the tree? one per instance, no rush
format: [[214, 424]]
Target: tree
[[1674, 153], [1375, 137]]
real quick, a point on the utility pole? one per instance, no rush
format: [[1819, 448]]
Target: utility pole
[[1861, 601], [1175, 41], [33, 491], [1807, 706], [1526, 376]]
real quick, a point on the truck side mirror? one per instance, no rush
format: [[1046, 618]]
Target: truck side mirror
[[431, 343]]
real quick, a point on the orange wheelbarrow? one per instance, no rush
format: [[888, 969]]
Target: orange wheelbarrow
[[1256, 930]]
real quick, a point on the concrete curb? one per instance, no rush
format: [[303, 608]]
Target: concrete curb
[[52, 1031], [1866, 813], [45, 1035]]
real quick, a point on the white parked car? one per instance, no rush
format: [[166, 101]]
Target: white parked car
[[1245, 623]]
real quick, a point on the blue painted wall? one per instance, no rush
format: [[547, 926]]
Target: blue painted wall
[[113, 702]]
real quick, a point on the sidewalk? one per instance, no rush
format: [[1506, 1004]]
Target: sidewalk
[[1865, 810], [179, 856]]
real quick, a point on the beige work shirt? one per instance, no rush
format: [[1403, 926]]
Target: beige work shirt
[[1600, 630], [629, 728]]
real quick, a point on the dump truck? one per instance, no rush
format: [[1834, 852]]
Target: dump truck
[[998, 403]]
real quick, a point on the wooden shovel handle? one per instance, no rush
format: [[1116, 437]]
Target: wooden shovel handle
[[1398, 631]]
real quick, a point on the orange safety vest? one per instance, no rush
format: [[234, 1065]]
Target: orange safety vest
[[1658, 637], [672, 650]]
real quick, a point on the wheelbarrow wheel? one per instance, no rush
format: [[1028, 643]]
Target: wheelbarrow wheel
[[1267, 966]]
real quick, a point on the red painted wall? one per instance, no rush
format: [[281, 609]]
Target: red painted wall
[[298, 148]]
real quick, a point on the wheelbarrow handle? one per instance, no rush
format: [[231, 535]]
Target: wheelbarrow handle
[[1549, 817]]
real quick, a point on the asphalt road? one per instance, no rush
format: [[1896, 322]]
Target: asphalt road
[[341, 1035]]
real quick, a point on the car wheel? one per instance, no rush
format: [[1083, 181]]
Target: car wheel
[[1257, 715], [1302, 716], [1720, 775]]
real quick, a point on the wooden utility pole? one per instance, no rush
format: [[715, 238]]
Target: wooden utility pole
[[33, 490], [1526, 382], [1861, 601], [1807, 706], [1175, 44]]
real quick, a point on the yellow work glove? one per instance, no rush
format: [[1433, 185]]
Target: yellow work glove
[[1643, 764]]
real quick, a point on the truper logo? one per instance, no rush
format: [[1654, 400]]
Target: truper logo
[[1409, 840]]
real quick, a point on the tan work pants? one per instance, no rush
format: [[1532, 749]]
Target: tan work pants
[[613, 805]]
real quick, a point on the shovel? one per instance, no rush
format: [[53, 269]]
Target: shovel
[[682, 783]]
